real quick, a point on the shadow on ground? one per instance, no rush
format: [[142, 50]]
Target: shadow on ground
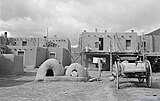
[[14, 80], [9, 83], [129, 83]]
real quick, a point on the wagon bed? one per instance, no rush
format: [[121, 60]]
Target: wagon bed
[[132, 67]]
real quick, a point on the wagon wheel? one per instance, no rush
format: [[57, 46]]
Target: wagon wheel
[[117, 75], [148, 74], [141, 80]]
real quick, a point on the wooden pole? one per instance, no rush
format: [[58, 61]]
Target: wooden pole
[[47, 34], [143, 46], [99, 68], [110, 55]]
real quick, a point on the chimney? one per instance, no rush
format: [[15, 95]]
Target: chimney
[[5, 35], [105, 31], [132, 31], [45, 40], [96, 29], [84, 30], [6, 39]]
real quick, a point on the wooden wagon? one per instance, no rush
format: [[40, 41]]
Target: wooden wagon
[[130, 66]]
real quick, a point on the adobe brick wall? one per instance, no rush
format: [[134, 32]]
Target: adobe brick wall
[[11, 64]]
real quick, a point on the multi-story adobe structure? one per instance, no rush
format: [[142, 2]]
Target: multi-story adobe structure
[[3, 43], [41, 42], [105, 44], [10, 64], [107, 41], [59, 48], [151, 44], [59, 42], [151, 41], [36, 50], [100, 44]]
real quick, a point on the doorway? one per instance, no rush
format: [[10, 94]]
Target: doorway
[[49, 72], [100, 43], [22, 53]]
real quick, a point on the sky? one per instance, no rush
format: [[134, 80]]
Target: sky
[[68, 18]]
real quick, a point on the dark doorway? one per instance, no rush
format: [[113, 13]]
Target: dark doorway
[[49, 72], [21, 53], [100, 43], [128, 44], [24, 43]]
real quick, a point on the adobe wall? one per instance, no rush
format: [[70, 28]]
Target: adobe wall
[[18, 64], [69, 45], [152, 43], [58, 52], [157, 43], [29, 54], [41, 55], [60, 42], [66, 57], [148, 40], [117, 40], [62, 55], [11, 64]]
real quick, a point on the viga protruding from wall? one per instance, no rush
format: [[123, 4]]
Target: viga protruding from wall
[[76, 70], [58, 69]]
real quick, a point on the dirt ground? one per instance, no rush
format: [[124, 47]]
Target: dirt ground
[[22, 88]]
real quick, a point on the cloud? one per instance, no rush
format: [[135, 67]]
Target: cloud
[[69, 17]]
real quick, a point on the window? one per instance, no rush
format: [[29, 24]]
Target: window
[[24, 43], [128, 44], [144, 45], [54, 45], [14, 43], [96, 44], [2, 52], [21, 52], [52, 55]]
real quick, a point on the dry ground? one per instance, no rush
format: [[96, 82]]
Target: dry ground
[[22, 88]]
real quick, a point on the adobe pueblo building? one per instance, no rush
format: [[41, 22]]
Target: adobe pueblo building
[[36, 50], [151, 48], [32, 51], [19, 52], [106, 45], [10, 64]]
